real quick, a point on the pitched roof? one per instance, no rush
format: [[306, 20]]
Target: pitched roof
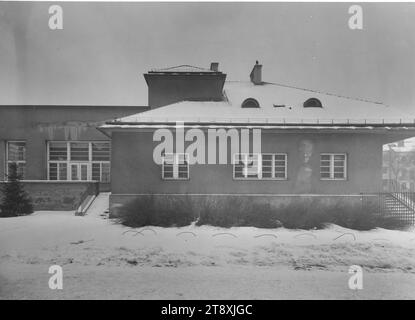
[[409, 146], [182, 69], [279, 104]]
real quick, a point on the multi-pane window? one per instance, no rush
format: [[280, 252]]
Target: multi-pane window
[[100, 154], [333, 166], [101, 171], [79, 151], [246, 165], [16, 153], [260, 166], [175, 166], [58, 171], [79, 161]]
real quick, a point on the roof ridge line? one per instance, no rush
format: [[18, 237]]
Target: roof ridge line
[[326, 93], [315, 91]]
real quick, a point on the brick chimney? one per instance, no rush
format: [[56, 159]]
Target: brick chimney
[[214, 66], [256, 74]]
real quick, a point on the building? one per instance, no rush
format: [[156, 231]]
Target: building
[[58, 150], [313, 144]]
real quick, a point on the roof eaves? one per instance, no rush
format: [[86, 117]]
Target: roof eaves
[[282, 122]]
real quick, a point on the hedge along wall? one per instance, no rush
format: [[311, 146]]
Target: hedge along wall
[[58, 195], [322, 201]]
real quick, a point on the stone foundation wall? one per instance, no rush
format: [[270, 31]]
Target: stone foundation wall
[[58, 195], [323, 201]]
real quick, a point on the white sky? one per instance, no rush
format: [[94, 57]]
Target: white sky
[[100, 55]]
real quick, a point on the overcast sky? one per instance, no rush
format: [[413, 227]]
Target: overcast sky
[[104, 48]]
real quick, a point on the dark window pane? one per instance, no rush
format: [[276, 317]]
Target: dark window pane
[[63, 171], [183, 175], [16, 151], [79, 151], [21, 166], [280, 175], [96, 171], [280, 163], [74, 172], [53, 171], [58, 151], [105, 177], [101, 151], [339, 157], [280, 157], [168, 174]]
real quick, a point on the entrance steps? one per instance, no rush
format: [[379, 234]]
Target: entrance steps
[[98, 206], [398, 206]]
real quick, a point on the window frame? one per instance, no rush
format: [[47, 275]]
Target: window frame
[[312, 100], [260, 158], [248, 101], [90, 162], [331, 167], [6, 169], [175, 163]]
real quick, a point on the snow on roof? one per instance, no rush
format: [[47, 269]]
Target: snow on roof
[[278, 104], [181, 69], [408, 146]]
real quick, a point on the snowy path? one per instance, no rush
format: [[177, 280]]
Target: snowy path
[[101, 259], [31, 282]]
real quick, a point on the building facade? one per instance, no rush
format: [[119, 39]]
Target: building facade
[[312, 144], [58, 150]]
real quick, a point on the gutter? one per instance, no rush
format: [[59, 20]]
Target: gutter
[[260, 124]]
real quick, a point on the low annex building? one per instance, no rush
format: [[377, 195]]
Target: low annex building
[[59, 153]]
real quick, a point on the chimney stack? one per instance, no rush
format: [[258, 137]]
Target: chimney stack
[[256, 74], [214, 66]]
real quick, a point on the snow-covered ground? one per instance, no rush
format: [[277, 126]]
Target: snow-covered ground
[[101, 259]]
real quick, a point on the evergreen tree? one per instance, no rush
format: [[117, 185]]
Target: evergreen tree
[[16, 201]]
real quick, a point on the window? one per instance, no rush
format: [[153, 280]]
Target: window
[[58, 171], [333, 166], [260, 166], [101, 153], [79, 161], [250, 103], [246, 166], [101, 171], [79, 151], [312, 103], [175, 166], [16, 153]]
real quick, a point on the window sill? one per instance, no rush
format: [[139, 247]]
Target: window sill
[[260, 179]]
